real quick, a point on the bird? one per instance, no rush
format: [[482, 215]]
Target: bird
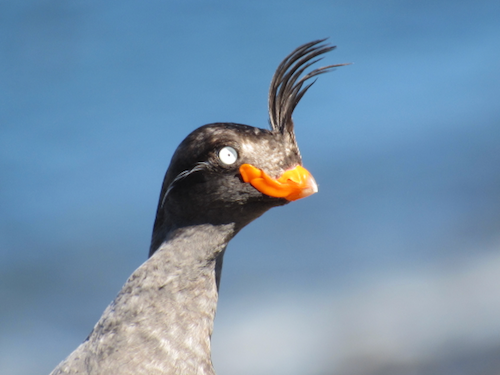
[[221, 177]]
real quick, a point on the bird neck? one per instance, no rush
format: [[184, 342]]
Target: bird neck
[[194, 251], [189, 265], [167, 307]]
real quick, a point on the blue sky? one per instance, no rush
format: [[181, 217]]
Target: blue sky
[[404, 144]]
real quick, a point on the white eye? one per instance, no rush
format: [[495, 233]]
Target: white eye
[[228, 155]]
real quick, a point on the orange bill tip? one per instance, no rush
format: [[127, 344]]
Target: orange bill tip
[[293, 184]]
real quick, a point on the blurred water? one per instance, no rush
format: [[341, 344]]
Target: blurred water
[[391, 268]]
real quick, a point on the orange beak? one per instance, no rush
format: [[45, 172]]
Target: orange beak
[[294, 184]]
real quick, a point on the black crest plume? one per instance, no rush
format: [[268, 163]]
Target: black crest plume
[[288, 87]]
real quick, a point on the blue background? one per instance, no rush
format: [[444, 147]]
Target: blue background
[[393, 267]]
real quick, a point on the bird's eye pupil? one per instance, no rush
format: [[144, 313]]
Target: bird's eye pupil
[[228, 155]]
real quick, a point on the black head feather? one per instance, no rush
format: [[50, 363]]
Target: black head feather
[[287, 87]]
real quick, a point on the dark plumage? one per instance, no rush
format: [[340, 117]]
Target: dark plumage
[[221, 177]]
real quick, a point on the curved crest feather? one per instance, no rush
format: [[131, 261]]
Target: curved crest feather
[[287, 87]]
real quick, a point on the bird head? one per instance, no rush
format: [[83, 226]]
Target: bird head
[[232, 173]]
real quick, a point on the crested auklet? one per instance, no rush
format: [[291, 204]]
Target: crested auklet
[[221, 177]]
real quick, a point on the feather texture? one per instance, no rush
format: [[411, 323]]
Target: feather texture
[[288, 87]]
